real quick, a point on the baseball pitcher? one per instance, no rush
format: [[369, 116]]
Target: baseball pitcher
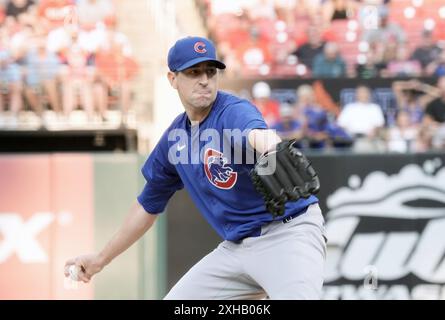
[[255, 190]]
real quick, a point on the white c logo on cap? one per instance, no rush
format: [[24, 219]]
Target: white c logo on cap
[[200, 47]]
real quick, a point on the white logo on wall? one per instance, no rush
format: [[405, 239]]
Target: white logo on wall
[[19, 237], [387, 236]]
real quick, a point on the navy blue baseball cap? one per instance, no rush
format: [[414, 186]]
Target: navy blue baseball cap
[[190, 51]]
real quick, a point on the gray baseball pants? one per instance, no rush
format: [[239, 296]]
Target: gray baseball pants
[[285, 262]]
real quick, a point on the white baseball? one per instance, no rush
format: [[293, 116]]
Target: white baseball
[[74, 272]]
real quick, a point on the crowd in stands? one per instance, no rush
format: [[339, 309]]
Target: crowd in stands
[[62, 55], [360, 39], [329, 38], [417, 125]]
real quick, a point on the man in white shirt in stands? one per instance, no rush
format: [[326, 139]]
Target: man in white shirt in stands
[[363, 120]]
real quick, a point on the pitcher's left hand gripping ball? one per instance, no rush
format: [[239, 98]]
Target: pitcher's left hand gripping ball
[[293, 177]]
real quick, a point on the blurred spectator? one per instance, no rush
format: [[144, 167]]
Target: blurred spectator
[[269, 108], [90, 12], [438, 141], [368, 14], [288, 127], [260, 9], [307, 9], [107, 37], [411, 98], [437, 67], [240, 33], [61, 39], [3, 4], [435, 110], [362, 118], [330, 63], [77, 82], [386, 52], [313, 117], [19, 42], [116, 70], [403, 65], [422, 94], [11, 84], [427, 51], [42, 70], [403, 136], [285, 11], [386, 31], [307, 52], [338, 9], [255, 53], [234, 36], [369, 68], [15, 8], [220, 7], [57, 13], [338, 136]]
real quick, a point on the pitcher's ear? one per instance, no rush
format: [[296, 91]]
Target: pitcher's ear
[[172, 79]]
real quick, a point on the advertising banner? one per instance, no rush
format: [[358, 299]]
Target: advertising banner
[[54, 207], [46, 217], [385, 221]]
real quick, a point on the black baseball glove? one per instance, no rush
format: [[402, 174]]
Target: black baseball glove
[[284, 175]]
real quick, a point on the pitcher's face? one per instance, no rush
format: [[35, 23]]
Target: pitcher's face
[[197, 86]]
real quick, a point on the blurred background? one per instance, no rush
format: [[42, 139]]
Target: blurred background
[[84, 98]]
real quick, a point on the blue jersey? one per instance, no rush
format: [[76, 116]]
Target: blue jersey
[[220, 186], [316, 118]]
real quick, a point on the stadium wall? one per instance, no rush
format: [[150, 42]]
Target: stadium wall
[[57, 206]]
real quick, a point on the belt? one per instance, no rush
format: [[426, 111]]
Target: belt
[[292, 216]]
